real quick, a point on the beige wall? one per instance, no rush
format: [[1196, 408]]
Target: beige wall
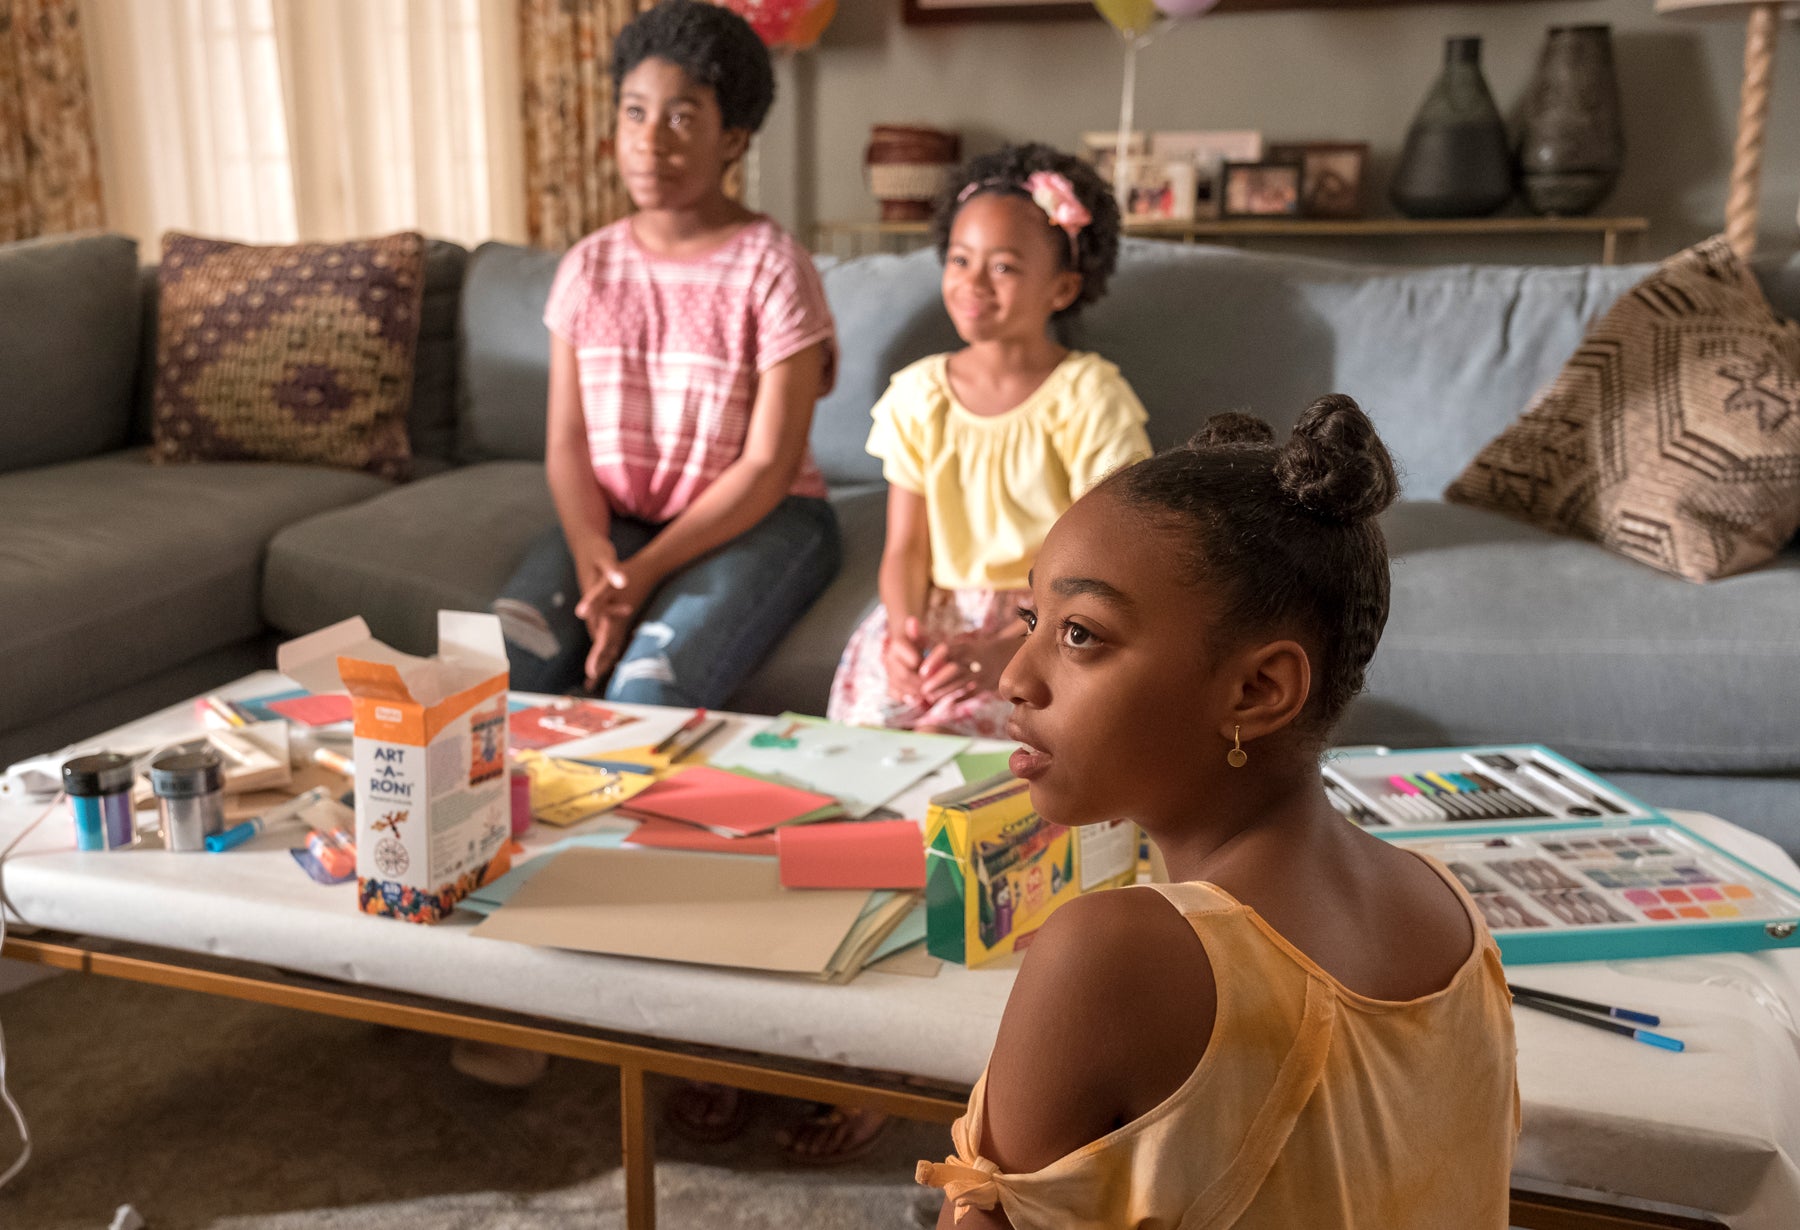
[[1309, 74]]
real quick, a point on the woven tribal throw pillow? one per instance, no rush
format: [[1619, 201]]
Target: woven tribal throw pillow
[[1672, 435], [299, 354]]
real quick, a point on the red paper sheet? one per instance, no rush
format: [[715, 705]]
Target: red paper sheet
[[856, 854], [674, 835], [548, 725], [726, 802], [325, 709]]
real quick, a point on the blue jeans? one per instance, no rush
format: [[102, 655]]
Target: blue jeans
[[704, 629]]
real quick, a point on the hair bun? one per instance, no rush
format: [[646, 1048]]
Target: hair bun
[[1232, 428], [1335, 465]]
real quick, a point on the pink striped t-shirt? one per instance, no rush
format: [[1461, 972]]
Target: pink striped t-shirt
[[671, 352]]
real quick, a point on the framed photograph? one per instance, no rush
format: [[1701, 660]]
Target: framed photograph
[[949, 12], [1331, 177], [1261, 189], [1101, 150], [1224, 145], [1159, 191], [935, 12], [1208, 151]]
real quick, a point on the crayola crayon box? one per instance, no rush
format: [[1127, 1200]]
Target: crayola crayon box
[[995, 869], [433, 817]]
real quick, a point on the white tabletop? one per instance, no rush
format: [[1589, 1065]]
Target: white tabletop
[[1716, 1127]]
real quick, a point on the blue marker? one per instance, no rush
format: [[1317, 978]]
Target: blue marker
[[289, 811], [1645, 1036]]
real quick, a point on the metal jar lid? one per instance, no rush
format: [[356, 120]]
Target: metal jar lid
[[187, 775], [102, 773]]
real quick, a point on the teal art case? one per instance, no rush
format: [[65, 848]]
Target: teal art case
[[1563, 865]]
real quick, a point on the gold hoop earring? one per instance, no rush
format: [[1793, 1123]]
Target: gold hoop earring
[[1236, 757]]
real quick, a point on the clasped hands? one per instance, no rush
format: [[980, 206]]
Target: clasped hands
[[612, 594], [954, 669]]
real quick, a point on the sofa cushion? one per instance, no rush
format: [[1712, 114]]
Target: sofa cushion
[[889, 312], [1673, 433], [302, 353], [797, 673], [431, 418], [1500, 631], [1442, 358], [113, 570], [447, 542], [505, 353], [69, 311]]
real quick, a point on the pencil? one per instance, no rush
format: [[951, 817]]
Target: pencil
[[1630, 1031], [692, 744], [1569, 1001], [669, 739]]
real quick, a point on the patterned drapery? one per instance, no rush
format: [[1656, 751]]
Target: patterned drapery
[[49, 165], [571, 183]]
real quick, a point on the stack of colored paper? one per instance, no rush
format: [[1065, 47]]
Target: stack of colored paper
[[565, 792], [860, 767], [731, 805], [705, 909]]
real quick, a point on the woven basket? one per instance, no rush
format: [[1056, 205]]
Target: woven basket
[[908, 167]]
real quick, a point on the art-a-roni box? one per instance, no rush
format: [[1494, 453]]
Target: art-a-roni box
[[433, 815], [995, 869]]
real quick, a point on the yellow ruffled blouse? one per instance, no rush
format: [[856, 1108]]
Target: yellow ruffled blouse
[[994, 484]]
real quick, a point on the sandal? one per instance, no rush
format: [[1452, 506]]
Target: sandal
[[707, 1114], [507, 1067], [832, 1136]]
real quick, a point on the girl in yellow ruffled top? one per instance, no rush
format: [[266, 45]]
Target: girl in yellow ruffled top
[[985, 447], [1309, 1027]]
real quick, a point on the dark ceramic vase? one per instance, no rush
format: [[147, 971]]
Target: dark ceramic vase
[[1457, 162], [1571, 142]]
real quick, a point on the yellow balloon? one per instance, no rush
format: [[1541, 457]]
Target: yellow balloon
[[1128, 17]]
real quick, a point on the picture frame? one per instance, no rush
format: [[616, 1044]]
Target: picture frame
[[1260, 189], [1208, 151], [1332, 175], [960, 12], [1159, 190], [1101, 148]]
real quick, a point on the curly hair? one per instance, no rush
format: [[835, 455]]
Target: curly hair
[[1285, 532], [712, 45], [1095, 253]]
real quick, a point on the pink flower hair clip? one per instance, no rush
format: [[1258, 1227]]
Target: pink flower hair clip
[[1050, 192], [1055, 195]]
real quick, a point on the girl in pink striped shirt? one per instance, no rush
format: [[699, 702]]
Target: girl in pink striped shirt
[[689, 343]]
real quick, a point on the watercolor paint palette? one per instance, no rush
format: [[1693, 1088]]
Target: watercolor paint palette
[[1514, 784], [1590, 892]]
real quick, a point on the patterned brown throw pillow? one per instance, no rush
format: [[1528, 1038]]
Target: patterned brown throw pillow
[[1673, 434], [300, 354]]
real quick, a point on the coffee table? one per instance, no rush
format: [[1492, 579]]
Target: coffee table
[[1664, 1136]]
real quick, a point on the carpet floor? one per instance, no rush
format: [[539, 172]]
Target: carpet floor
[[206, 1114]]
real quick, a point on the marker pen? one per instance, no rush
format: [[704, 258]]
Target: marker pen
[[289, 811]]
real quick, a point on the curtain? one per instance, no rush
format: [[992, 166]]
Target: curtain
[[49, 165], [571, 182], [269, 121]]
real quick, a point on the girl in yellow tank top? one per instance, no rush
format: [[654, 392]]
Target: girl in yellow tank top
[[1309, 1028]]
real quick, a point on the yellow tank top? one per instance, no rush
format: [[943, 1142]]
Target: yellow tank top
[[1312, 1107]]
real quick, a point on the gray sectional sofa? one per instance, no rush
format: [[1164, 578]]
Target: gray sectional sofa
[[124, 585]]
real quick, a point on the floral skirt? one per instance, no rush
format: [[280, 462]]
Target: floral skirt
[[859, 693]]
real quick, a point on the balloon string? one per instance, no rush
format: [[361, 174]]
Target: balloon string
[[1134, 40], [1127, 108]]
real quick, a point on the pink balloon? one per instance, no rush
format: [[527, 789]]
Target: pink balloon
[[1184, 8]]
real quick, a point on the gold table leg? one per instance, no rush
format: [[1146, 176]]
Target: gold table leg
[[639, 1149]]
